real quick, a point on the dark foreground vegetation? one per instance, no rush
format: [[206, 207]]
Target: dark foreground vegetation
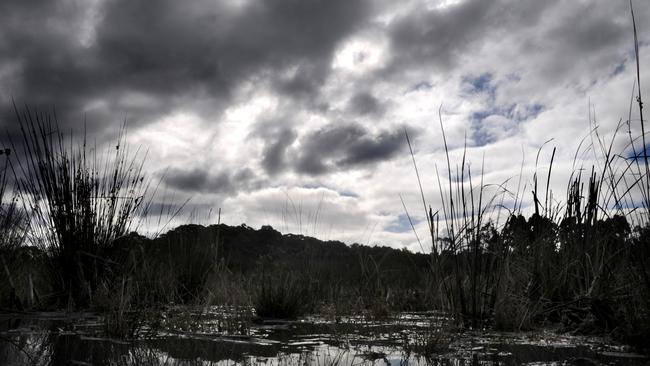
[[69, 216], [591, 287]]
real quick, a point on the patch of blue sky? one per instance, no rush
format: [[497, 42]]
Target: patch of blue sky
[[481, 84], [628, 205], [401, 224], [533, 111], [639, 156], [484, 84], [482, 138]]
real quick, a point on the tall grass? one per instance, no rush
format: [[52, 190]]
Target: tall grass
[[12, 217], [78, 201], [572, 255], [564, 253], [282, 295], [467, 257], [9, 236]]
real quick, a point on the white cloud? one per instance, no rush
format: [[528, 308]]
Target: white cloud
[[358, 56]]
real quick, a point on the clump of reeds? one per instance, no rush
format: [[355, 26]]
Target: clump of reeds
[[282, 296], [78, 202], [467, 257]]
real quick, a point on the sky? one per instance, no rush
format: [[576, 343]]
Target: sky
[[293, 113]]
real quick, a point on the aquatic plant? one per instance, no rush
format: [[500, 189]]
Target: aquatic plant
[[16, 283], [467, 258], [12, 218], [78, 202], [282, 296]]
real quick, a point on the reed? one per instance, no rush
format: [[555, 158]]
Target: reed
[[283, 296], [78, 202], [18, 277], [467, 256]]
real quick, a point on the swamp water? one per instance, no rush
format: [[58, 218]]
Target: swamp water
[[218, 336]]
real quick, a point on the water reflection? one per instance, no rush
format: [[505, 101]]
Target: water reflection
[[410, 339]]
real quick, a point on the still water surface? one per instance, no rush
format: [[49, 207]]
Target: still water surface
[[227, 336]]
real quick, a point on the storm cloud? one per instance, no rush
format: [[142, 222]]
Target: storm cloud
[[343, 146], [364, 103], [275, 152], [111, 59]]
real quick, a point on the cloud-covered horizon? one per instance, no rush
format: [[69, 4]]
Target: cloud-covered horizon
[[293, 113]]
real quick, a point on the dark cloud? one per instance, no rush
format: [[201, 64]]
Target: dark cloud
[[204, 181], [372, 149], [437, 36], [587, 36], [129, 59], [275, 151], [593, 30], [340, 146], [559, 32], [305, 81], [364, 103], [141, 60]]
